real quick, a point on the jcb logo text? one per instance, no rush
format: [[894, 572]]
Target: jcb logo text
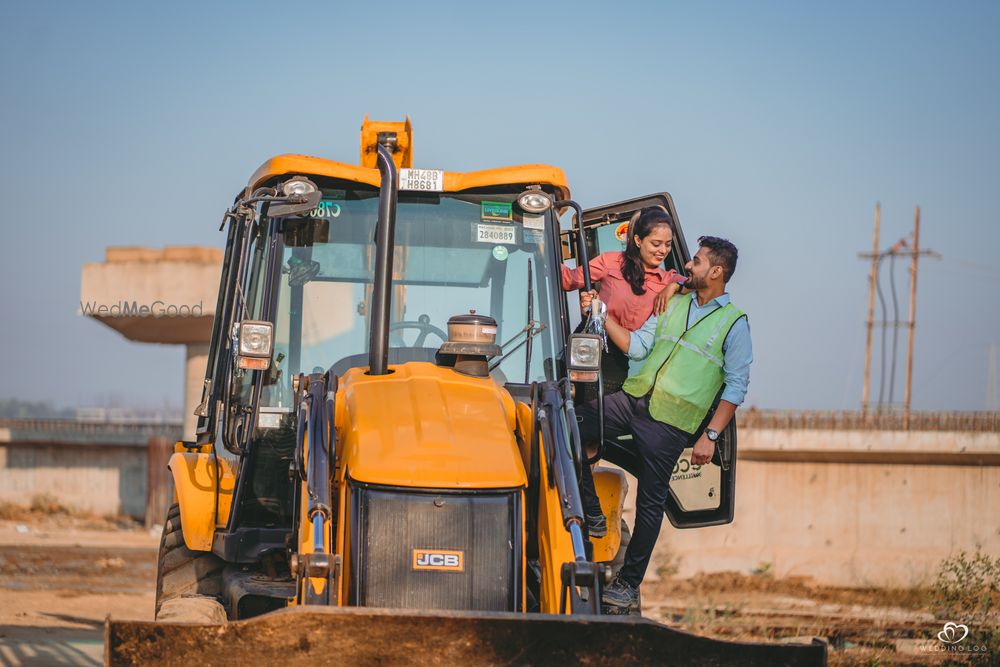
[[438, 559]]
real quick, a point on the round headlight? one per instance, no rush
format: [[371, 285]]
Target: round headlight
[[534, 201], [298, 186], [585, 355], [584, 352], [256, 338], [255, 341]]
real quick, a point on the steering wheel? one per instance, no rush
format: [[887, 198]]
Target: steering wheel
[[423, 323]]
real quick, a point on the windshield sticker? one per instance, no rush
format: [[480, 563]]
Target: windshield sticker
[[497, 210], [534, 221], [500, 253], [533, 236], [495, 234], [620, 231], [326, 210]]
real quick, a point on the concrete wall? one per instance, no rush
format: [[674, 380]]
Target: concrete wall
[[104, 479], [98, 467], [852, 508]]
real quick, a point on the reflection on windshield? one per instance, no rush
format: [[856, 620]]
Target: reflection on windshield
[[453, 254]]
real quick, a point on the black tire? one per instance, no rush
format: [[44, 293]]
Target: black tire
[[182, 573]]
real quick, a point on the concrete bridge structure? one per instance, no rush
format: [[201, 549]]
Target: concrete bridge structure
[[164, 296]]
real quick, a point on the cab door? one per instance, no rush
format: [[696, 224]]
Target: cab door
[[699, 495]]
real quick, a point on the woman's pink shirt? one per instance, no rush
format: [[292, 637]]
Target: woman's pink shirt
[[629, 309]]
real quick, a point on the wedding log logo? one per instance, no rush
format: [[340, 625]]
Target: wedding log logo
[[949, 634]]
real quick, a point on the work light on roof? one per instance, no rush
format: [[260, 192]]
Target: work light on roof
[[298, 186], [534, 201]]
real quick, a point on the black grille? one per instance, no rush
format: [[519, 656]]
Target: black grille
[[389, 524]]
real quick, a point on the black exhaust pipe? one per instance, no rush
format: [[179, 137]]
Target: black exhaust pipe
[[385, 235]]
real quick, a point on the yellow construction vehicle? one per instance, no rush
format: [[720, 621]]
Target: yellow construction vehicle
[[387, 453]]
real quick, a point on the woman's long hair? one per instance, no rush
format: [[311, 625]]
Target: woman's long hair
[[632, 267]]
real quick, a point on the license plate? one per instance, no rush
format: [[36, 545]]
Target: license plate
[[425, 180], [495, 234]]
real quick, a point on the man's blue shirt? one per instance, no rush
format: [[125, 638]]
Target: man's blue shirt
[[736, 349]]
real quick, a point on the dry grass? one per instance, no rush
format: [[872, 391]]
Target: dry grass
[[763, 582], [47, 509]]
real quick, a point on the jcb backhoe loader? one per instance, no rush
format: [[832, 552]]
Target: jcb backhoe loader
[[387, 454]]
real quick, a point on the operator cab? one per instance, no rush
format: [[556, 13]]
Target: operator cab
[[311, 274]]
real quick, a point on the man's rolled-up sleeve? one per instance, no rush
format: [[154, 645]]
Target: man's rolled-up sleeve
[[738, 355], [641, 340]]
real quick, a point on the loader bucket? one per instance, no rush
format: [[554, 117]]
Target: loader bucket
[[353, 635]]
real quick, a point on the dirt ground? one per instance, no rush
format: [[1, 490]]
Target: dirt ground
[[60, 577], [861, 627]]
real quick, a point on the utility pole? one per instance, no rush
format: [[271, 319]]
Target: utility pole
[[872, 277], [876, 256], [992, 402], [912, 318]]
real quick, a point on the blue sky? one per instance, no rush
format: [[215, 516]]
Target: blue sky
[[778, 125]]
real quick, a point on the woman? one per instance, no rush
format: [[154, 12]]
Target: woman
[[633, 285], [630, 283]]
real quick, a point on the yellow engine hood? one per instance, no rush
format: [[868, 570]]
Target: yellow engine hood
[[427, 426]]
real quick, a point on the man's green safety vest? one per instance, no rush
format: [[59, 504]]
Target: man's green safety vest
[[684, 366]]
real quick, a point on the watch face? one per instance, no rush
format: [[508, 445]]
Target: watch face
[[713, 435]]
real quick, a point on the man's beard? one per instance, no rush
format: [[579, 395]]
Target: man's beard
[[693, 283]]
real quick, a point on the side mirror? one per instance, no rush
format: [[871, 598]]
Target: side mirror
[[584, 358], [255, 345], [295, 204]]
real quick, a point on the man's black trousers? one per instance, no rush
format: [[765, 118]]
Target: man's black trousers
[[650, 457]]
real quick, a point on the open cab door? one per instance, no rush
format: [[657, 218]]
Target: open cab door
[[699, 495]]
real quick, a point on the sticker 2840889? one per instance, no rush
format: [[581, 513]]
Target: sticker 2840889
[[495, 234]]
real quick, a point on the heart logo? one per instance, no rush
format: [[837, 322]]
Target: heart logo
[[948, 634]]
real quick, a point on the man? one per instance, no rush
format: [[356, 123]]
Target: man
[[698, 346]]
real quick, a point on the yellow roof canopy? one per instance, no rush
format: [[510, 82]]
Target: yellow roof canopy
[[453, 181]]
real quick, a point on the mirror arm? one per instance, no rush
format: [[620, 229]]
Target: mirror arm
[[244, 207], [581, 243]]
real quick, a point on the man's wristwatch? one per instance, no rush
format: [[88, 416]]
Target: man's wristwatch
[[712, 434]]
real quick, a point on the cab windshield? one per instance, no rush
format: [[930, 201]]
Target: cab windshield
[[454, 253]]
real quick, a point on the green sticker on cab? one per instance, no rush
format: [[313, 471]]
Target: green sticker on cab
[[497, 210]]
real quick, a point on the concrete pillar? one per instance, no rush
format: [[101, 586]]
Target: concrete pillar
[[195, 363], [159, 485], [159, 296]]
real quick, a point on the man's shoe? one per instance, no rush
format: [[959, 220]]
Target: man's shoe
[[597, 525], [621, 597]]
